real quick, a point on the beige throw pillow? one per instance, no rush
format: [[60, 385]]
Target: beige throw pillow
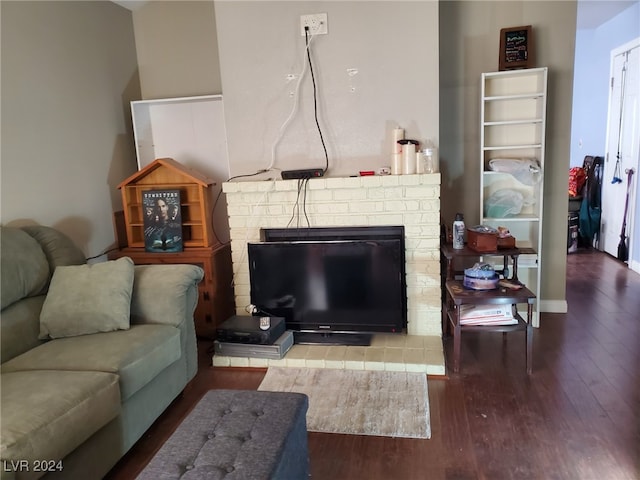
[[84, 299]]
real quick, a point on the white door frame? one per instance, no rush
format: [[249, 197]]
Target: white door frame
[[631, 159]]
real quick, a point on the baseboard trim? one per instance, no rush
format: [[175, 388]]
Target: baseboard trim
[[554, 306]]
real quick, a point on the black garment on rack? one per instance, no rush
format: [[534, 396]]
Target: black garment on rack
[[591, 207]]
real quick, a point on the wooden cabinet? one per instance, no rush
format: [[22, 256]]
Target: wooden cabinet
[[216, 300], [513, 123]]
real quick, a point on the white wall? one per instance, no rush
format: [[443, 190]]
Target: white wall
[[68, 73], [393, 46], [177, 49]]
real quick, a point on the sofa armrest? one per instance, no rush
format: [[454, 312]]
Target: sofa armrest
[[168, 294], [165, 294]]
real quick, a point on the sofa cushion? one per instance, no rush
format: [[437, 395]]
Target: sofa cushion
[[47, 414], [147, 306], [20, 327], [24, 266], [57, 247], [86, 299], [137, 355]]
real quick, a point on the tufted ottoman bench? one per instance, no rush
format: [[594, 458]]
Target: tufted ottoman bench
[[237, 434]]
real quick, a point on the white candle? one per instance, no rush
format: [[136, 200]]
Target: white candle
[[409, 158], [396, 164], [398, 134]]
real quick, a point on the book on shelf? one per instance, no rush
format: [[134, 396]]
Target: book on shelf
[[484, 311], [486, 315], [162, 221], [490, 321]]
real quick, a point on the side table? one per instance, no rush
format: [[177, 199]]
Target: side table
[[457, 295], [449, 255]]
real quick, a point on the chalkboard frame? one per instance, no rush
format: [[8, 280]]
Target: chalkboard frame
[[511, 57]]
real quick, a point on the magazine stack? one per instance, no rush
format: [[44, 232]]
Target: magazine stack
[[487, 315]]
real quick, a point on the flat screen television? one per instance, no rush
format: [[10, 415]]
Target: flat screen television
[[342, 286]]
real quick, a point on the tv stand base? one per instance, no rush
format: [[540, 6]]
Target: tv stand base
[[332, 338]]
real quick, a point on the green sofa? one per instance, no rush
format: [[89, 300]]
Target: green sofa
[[81, 378]]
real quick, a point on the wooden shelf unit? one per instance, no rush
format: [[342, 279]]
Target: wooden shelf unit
[[195, 203]]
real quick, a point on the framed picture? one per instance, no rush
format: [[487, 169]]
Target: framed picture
[[162, 221], [516, 48]]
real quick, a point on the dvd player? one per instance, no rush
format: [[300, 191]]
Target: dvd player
[[246, 329], [275, 352]]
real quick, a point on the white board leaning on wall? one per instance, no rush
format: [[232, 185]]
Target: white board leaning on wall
[[192, 131]]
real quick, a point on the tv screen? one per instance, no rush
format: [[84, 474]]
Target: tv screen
[[330, 286]]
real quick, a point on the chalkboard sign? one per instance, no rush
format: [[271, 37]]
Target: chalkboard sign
[[516, 48]]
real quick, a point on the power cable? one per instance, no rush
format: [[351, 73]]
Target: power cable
[[296, 206], [304, 201], [101, 254], [315, 103]]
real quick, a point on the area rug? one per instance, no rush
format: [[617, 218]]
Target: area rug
[[358, 402]]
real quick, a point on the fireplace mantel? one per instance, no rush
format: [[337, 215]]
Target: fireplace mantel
[[409, 200]]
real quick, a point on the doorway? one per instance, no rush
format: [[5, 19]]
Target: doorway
[[622, 153]]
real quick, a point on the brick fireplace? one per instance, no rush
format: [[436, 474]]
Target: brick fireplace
[[409, 200]]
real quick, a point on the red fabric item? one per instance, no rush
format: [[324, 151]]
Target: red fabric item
[[577, 178]]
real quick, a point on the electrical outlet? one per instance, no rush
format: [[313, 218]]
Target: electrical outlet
[[317, 24]]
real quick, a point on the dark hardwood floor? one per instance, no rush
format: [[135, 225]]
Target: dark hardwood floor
[[577, 417]]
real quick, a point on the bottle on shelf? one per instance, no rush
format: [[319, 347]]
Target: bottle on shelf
[[424, 162], [458, 232]]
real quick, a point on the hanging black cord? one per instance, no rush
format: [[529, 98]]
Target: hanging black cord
[[617, 176], [315, 103], [101, 254], [304, 201], [300, 184], [296, 206]]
